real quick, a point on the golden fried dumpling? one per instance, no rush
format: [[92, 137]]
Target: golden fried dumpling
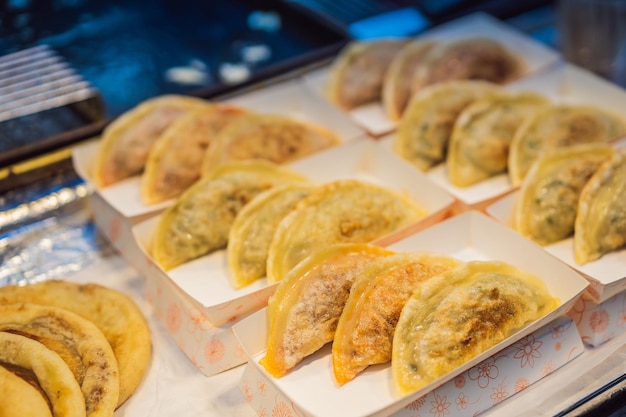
[[396, 90], [78, 342], [468, 59], [49, 373], [347, 210], [560, 126], [20, 398], [304, 310], [200, 220], [127, 141], [479, 145], [356, 76], [457, 315], [426, 126], [547, 202], [175, 160], [114, 313], [271, 137], [600, 225], [253, 229], [365, 330]]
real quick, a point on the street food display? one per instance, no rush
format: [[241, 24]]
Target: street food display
[[244, 201]]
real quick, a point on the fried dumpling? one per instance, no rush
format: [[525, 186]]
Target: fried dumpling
[[50, 372], [560, 126], [20, 398], [304, 310], [126, 142], [175, 159], [78, 342], [341, 211], [468, 59], [547, 202], [253, 229], [600, 225], [114, 313], [396, 90], [270, 137], [426, 126], [200, 220], [356, 76], [457, 315], [365, 330], [479, 145]]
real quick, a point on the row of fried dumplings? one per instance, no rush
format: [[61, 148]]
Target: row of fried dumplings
[[577, 191], [69, 350], [171, 141], [454, 109], [269, 217], [394, 70], [424, 312]]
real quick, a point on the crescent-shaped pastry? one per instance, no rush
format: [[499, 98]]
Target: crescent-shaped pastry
[[113, 312], [127, 141], [341, 211], [426, 126], [20, 398], [547, 202], [78, 342], [253, 229], [468, 59], [175, 159], [304, 310], [457, 315], [200, 220], [356, 75], [600, 225], [270, 137], [365, 330], [559, 126], [50, 373], [479, 145], [396, 89]]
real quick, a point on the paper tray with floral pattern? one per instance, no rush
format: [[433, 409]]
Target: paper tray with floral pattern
[[468, 236]]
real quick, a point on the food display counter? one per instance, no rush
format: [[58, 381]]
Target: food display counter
[[60, 222]]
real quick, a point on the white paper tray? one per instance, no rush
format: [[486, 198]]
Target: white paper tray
[[468, 236]]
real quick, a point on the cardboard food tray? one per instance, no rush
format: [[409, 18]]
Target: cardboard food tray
[[478, 389], [469, 236], [536, 56], [288, 98], [607, 275], [205, 280], [562, 84], [599, 322]]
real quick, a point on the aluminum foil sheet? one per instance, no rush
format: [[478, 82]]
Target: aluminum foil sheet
[[47, 231]]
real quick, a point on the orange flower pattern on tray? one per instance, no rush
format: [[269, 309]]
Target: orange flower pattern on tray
[[499, 393], [599, 321], [521, 384], [484, 372], [528, 350], [440, 406], [214, 351], [282, 410]]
